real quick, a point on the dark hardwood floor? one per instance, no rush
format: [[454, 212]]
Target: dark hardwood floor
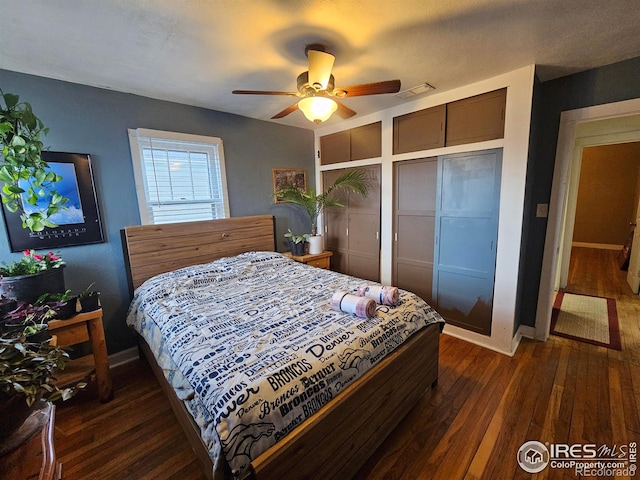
[[486, 405]]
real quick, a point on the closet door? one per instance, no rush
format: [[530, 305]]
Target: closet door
[[466, 236], [364, 229], [335, 224], [353, 232], [414, 221]]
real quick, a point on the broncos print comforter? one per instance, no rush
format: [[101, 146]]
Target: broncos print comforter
[[252, 346]]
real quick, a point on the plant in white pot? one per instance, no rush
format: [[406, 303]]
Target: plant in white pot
[[353, 180]]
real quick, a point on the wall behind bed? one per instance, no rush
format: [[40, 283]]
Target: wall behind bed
[[90, 120]]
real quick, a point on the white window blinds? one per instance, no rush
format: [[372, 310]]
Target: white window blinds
[[179, 177]]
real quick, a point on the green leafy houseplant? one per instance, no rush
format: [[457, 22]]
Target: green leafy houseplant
[[28, 365], [89, 299], [29, 369], [296, 242], [314, 204], [55, 297], [64, 304], [28, 319], [23, 172], [296, 238]]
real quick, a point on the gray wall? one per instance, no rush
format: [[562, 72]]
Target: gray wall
[[95, 121], [612, 83]]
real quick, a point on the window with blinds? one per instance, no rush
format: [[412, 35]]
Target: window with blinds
[[179, 177]]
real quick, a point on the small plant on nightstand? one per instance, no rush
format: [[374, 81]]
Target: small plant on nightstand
[[89, 299], [64, 304], [296, 242]]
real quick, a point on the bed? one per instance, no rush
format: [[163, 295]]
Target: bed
[[327, 411]]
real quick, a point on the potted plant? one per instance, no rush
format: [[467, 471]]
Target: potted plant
[[63, 304], [28, 320], [353, 180], [32, 276], [89, 299], [6, 305], [26, 176], [27, 374], [296, 242]]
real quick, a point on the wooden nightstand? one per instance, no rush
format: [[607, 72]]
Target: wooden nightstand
[[320, 260], [82, 328]]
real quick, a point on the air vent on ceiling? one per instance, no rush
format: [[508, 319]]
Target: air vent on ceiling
[[417, 90]]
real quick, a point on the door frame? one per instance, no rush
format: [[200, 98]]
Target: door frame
[[571, 141], [633, 270]]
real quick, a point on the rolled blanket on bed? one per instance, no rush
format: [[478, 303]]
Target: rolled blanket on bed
[[382, 294], [348, 303]]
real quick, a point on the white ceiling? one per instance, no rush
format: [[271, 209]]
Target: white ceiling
[[197, 51]]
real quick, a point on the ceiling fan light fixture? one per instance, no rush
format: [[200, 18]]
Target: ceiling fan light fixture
[[317, 109], [320, 65]]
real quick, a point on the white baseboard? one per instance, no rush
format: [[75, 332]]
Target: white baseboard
[[462, 334], [601, 246], [123, 357], [527, 331], [474, 338]]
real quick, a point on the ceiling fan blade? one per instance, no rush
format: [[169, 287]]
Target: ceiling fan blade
[[263, 92], [320, 65], [343, 111], [286, 111], [377, 88]]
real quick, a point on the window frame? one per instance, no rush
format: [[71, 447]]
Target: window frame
[[161, 135]]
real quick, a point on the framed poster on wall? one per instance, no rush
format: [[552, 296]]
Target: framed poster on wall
[[283, 177], [78, 224]]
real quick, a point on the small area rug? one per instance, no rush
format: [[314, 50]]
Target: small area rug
[[587, 319]]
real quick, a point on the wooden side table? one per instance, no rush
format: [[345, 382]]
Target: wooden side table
[[320, 260], [82, 328], [29, 453]]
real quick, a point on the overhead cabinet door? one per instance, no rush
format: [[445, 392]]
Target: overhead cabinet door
[[335, 148], [476, 119], [466, 237], [366, 141], [353, 144], [419, 130]]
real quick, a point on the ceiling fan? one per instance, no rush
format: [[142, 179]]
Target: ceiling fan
[[317, 91]]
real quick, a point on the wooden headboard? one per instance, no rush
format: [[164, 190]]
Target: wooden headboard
[[153, 249]]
